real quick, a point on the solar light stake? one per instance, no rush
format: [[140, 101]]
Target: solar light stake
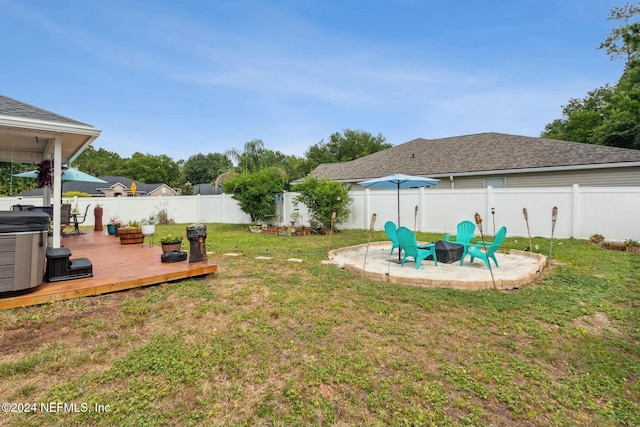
[[554, 216], [526, 219], [478, 219], [333, 220], [493, 216], [373, 221]]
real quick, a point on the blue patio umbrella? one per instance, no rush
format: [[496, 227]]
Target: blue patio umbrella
[[399, 181], [69, 174]]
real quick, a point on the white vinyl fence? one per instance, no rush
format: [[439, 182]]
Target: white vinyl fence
[[582, 211]]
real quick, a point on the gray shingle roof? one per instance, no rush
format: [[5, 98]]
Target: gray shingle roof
[[15, 108], [474, 153]]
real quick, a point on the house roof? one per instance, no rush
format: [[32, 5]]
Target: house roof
[[26, 132], [93, 188], [470, 154], [15, 108]]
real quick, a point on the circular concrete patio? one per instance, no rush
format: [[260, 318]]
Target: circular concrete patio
[[517, 269]]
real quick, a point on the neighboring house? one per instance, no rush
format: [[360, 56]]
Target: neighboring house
[[116, 186], [120, 186], [497, 160]]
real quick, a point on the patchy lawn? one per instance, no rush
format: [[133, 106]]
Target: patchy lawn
[[275, 342]]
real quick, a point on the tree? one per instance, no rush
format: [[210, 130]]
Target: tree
[[99, 162], [255, 192], [623, 41], [608, 115], [350, 145], [9, 184], [205, 168], [581, 117], [150, 169], [323, 197]]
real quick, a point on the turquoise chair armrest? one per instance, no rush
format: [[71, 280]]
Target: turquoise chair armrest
[[447, 237]]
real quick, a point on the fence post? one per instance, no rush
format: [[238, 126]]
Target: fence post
[[489, 201], [366, 207], [421, 210], [575, 207]]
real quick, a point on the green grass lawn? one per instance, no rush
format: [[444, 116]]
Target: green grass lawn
[[275, 342]]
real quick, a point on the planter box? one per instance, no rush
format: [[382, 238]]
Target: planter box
[[171, 247], [130, 236]]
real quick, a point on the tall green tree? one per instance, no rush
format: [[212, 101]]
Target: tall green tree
[[345, 146], [205, 168], [99, 162], [624, 41], [9, 184], [608, 115], [150, 169]]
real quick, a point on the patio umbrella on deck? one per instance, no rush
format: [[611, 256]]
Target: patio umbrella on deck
[[69, 174], [399, 181]]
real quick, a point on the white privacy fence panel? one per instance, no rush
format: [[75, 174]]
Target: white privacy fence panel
[[612, 212], [582, 211]]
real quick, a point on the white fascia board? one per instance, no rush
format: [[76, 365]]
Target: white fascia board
[[544, 169], [46, 126]]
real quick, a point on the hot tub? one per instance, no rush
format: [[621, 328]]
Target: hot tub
[[23, 246]]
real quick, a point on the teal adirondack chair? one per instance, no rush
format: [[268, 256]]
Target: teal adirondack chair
[[410, 247], [465, 231], [478, 251], [390, 229]]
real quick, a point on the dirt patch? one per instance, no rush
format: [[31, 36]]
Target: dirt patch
[[596, 324]]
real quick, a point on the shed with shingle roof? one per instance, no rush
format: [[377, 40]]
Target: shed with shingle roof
[[496, 159]]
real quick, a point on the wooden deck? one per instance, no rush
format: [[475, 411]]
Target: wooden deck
[[116, 267]]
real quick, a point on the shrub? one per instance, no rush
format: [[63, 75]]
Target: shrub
[[322, 198]]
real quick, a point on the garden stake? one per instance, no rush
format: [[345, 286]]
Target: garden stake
[[415, 218], [493, 216], [526, 219], [554, 216], [373, 221], [478, 219], [333, 220]]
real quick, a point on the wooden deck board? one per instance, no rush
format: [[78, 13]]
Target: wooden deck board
[[116, 267]]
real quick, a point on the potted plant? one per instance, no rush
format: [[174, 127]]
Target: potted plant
[[171, 242], [148, 225], [131, 234], [113, 225]]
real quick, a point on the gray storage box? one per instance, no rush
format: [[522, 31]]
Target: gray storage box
[[23, 245]]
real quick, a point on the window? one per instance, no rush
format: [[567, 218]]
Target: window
[[495, 182]]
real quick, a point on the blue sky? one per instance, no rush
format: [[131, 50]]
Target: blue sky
[[206, 76]]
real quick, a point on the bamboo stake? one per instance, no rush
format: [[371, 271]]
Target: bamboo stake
[[373, 221], [478, 219], [554, 216], [526, 219]]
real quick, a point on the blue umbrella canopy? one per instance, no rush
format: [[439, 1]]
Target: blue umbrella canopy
[[69, 174], [399, 181]]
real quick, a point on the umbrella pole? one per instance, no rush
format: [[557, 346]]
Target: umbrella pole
[[398, 204]]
